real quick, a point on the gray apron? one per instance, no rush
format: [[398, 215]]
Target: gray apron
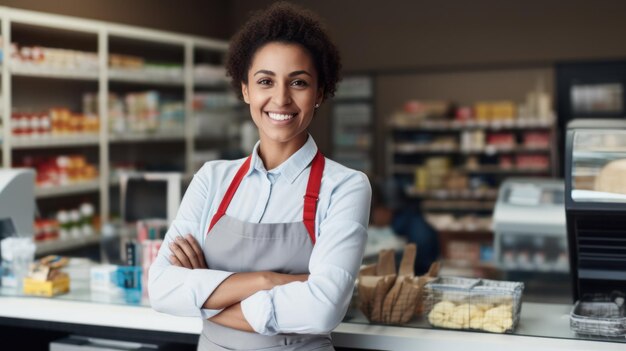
[[236, 246]]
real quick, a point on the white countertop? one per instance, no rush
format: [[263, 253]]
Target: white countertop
[[549, 318]]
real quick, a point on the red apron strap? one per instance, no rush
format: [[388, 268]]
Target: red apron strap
[[312, 194], [221, 210]]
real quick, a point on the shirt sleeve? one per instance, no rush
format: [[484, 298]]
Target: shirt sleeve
[[318, 305], [177, 290]]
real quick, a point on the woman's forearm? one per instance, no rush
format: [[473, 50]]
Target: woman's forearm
[[240, 286], [232, 317]]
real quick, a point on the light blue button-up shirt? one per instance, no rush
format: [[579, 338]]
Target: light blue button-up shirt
[[275, 196]]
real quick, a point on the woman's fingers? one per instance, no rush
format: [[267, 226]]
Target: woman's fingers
[[189, 252], [180, 254], [197, 250], [174, 260]]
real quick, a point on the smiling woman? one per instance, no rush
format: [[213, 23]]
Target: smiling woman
[[266, 249]]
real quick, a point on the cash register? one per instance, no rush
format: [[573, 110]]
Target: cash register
[[529, 226], [17, 202]]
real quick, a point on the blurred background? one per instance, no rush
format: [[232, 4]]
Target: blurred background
[[452, 108]]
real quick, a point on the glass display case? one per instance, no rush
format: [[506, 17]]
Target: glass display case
[[595, 203], [598, 165]]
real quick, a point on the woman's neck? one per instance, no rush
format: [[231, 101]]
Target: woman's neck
[[273, 153]]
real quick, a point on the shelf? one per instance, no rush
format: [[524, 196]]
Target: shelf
[[50, 72], [416, 148], [457, 205], [146, 137], [211, 85], [500, 170], [51, 141], [521, 124], [139, 77], [410, 170], [55, 246], [77, 188], [443, 194]]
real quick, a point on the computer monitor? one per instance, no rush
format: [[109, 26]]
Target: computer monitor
[[150, 195], [17, 202]]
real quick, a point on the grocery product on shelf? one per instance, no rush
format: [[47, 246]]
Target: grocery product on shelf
[[209, 75], [67, 223], [58, 121], [34, 58], [133, 67], [59, 170], [141, 112]]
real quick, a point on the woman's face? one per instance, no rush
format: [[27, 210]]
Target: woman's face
[[282, 91]]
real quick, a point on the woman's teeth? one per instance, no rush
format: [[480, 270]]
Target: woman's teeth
[[280, 117]]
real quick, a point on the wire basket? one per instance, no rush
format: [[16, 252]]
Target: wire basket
[[473, 304], [600, 316]]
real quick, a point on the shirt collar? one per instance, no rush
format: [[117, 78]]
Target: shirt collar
[[292, 167]]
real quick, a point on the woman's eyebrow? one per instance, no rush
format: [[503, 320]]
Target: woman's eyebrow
[[292, 74], [297, 73], [264, 71]]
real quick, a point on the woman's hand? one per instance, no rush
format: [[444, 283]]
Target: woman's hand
[[187, 253]]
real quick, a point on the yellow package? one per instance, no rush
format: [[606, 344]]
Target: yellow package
[[59, 285]]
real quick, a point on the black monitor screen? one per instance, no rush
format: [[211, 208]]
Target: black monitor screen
[[145, 199]]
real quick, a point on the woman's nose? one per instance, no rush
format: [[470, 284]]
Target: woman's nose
[[283, 95]]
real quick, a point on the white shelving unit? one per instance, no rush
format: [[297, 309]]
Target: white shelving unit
[[70, 189], [104, 33], [56, 141]]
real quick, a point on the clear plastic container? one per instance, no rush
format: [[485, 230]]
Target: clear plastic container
[[473, 304], [600, 316]]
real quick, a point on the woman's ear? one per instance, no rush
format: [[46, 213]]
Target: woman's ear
[[244, 92], [320, 96]]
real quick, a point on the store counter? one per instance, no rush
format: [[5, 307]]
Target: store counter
[[541, 326]]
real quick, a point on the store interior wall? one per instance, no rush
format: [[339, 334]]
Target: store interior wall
[[197, 17], [460, 51], [417, 49]]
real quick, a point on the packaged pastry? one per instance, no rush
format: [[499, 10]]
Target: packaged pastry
[[477, 304]]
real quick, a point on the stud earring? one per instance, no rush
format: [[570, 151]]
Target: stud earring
[[317, 105]]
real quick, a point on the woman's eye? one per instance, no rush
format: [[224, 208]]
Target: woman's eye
[[265, 82], [299, 83]]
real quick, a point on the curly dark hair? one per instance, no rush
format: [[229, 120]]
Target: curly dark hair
[[287, 23]]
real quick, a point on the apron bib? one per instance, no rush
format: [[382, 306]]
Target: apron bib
[[236, 246]]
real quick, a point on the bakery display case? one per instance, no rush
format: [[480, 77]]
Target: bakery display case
[[595, 202]]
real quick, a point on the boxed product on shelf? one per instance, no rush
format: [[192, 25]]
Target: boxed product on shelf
[[532, 161], [128, 66], [536, 139], [214, 100], [478, 304], [209, 74], [55, 121], [46, 229], [33, 57], [504, 110], [140, 112], [60, 170], [448, 222], [501, 140], [126, 61], [472, 140], [415, 112]]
